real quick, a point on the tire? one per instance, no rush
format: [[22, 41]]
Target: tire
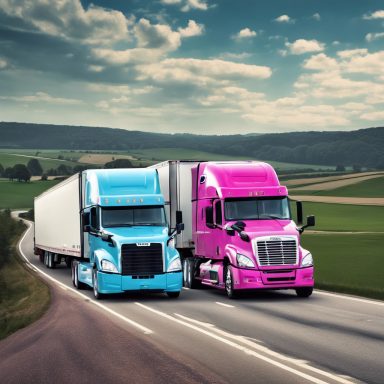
[[75, 277], [189, 280], [304, 291], [96, 293], [51, 260], [230, 291], [173, 295]]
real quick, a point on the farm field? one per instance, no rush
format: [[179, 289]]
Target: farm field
[[10, 160], [15, 195], [349, 263], [344, 217]]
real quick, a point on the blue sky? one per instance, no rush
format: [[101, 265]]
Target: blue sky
[[196, 66]]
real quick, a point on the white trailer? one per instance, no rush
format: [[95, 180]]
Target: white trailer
[[176, 185], [57, 221]]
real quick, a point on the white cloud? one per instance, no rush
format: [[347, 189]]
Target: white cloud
[[368, 64], [284, 19], [201, 72], [321, 62], [68, 19], [373, 116], [374, 36], [201, 5], [348, 54], [193, 29], [245, 34], [42, 97], [375, 15], [316, 16], [170, 2], [3, 64], [234, 56], [302, 46]]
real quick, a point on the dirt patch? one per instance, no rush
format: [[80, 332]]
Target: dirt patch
[[102, 158], [325, 186], [340, 200]]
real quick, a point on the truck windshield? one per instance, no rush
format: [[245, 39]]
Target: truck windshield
[[256, 208], [130, 216]]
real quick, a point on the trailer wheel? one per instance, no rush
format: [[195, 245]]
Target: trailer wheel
[[231, 293], [51, 260], [173, 295], [304, 291], [96, 293]]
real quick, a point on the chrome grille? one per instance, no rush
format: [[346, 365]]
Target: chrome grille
[[142, 260], [277, 252]]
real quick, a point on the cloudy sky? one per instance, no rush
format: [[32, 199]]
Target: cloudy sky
[[198, 66]]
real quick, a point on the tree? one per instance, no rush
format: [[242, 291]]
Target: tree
[[1, 170], [119, 163], [21, 173], [63, 170], [34, 167], [340, 168], [9, 173]]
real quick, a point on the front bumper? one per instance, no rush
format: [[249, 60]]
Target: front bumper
[[272, 279], [115, 283]]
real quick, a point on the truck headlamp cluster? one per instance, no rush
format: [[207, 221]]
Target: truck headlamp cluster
[[244, 261], [307, 260], [107, 266], [174, 265]]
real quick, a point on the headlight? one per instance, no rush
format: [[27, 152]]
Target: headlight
[[174, 265], [244, 261], [107, 266], [307, 260]]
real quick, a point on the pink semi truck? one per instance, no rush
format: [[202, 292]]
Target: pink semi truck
[[239, 233]]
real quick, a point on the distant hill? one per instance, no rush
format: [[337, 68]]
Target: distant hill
[[364, 147]]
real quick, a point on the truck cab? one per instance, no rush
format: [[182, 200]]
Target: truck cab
[[243, 231]]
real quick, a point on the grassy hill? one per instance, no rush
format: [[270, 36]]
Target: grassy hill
[[364, 147]]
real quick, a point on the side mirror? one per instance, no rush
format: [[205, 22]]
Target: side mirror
[[179, 228], [311, 222], [230, 231]]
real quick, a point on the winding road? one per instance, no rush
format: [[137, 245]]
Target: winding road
[[202, 337]]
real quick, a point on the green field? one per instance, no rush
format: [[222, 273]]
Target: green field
[[161, 154], [367, 188], [350, 263], [15, 195], [9, 160], [344, 217]]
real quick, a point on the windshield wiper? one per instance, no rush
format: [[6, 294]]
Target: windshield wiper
[[273, 217], [151, 224]]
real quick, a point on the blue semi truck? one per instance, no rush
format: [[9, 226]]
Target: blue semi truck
[[110, 227]]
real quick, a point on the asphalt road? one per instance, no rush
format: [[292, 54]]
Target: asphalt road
[[201, 337]]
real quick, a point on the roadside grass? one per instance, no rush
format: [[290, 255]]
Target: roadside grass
[[23, 297], [348, 263], [344, 217], [14, 194], [10, 160]]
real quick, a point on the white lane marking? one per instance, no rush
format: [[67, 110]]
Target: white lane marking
[[146, 330], [346, 297], [301, 363], [242, 348], [225, 305]]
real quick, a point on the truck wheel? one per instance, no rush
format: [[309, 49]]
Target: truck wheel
[[189, 280], [75, 277], [173, 295], [231, 293], [50, 260], [304, 291], [96, 293]]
